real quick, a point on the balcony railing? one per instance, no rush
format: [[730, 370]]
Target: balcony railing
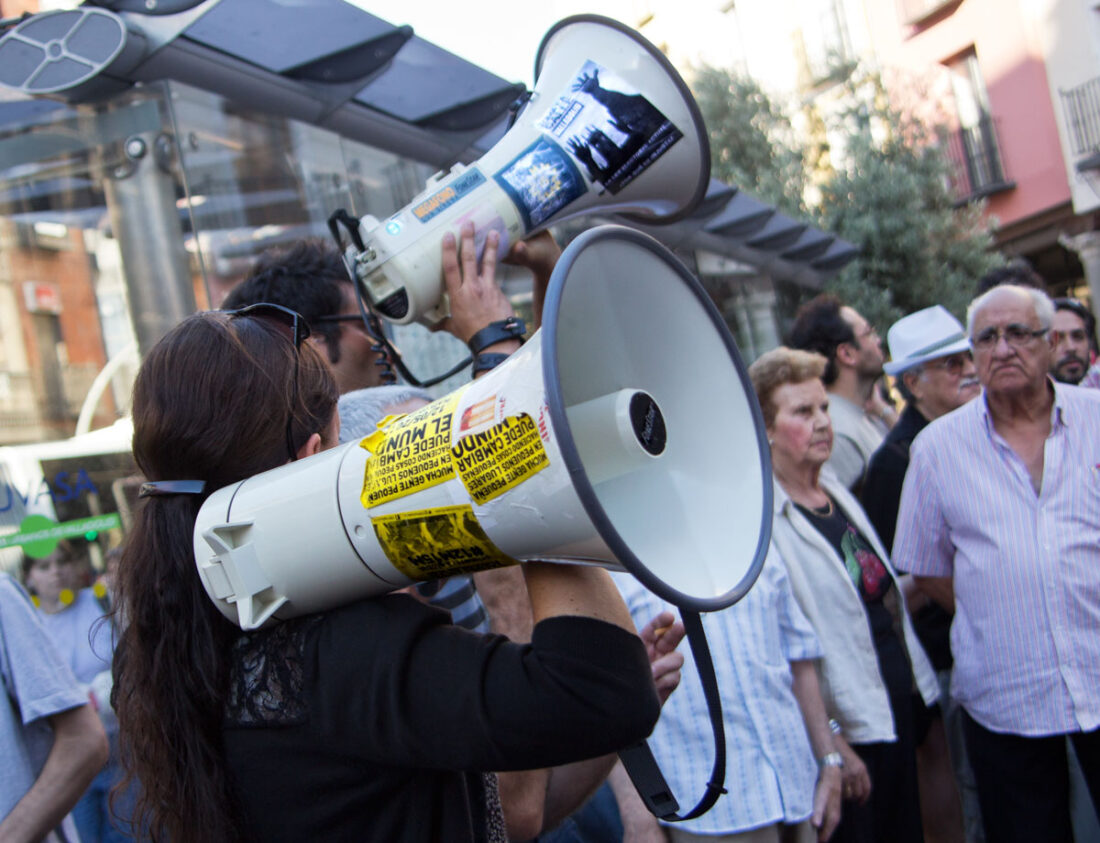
[[1081, 108], [975, 155]]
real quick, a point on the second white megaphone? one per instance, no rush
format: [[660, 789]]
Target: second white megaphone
[[610, 126], [624, 434]]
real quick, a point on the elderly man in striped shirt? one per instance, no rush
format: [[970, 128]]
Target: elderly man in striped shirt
[[1000, 521]]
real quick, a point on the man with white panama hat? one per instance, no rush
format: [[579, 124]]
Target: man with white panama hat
[[930, 358]]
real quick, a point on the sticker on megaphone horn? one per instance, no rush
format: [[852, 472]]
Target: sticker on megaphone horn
[[609, 127], [476, 480]]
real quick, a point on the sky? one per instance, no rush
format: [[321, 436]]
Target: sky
[[503, 36]]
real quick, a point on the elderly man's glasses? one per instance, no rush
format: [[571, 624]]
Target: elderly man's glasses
[[1015, 335], [281, 317]]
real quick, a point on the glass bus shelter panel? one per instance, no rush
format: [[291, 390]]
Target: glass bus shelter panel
[[63, 298], [256, 181]]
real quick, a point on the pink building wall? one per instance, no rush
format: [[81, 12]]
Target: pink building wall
[[1007, 50]]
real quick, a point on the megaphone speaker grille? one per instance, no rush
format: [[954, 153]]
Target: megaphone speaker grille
[[693, 523]]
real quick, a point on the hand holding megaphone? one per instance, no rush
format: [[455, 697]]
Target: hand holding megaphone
[[471, 287], [609, 127]]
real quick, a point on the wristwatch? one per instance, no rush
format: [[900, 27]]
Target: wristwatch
[[831, 759]]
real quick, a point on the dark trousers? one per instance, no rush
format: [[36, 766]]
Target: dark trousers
[[892, 814], [1023, 783]]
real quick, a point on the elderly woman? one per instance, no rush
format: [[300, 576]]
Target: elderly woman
[[875, 676]]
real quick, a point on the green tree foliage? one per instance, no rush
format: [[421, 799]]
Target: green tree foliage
[[887, 192], [752, 144], [892, 200]]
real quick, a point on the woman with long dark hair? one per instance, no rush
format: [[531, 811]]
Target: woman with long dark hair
[[374, 721]]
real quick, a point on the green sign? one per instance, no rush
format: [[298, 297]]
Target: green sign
[[39, 535]]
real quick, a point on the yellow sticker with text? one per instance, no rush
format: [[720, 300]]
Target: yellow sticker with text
[[500, 458], [438, 542], [409, 454]]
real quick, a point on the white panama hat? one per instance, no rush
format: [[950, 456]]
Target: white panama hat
[[923, 336]]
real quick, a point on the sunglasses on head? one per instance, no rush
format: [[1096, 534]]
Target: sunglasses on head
[[282, 317], [276, 313]]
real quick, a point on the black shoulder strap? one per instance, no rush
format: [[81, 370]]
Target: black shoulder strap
[[641, 766]]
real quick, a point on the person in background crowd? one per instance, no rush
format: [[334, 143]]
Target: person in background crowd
[[881, 405], [999, 518], [1017, 272], [783, 769], [853, 353], [930, 358], [1073, 331], [842, 579], [309, 277], [51, 742], [75, 618]]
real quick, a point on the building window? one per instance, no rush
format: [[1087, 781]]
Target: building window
[[1081, 108], [979, 170], [826, 46]]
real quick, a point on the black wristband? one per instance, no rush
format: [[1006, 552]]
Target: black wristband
[[487, 361], [511, 328]]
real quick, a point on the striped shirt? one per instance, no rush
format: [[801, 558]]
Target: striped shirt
[[458, 595], [770, 766], [1026, 567], [1092, 377]]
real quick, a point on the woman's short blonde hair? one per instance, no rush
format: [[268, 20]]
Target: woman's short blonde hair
[[782, 366]]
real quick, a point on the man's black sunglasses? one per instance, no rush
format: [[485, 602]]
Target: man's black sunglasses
[[283, 317]]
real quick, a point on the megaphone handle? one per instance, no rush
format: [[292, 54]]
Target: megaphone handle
[[392, 355], [642, 767]]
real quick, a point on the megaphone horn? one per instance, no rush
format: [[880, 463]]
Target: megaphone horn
[[610, 126], [593, 444]]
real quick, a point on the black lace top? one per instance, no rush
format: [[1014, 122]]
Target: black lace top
[[267, 680]]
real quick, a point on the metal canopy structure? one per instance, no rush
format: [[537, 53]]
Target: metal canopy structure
[[733, 224], [333, 65], [326, 63]]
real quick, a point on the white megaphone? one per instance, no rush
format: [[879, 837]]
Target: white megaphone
[[624, 434], [610, 126]]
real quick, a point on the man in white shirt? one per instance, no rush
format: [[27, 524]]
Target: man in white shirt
[[999, 521]]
